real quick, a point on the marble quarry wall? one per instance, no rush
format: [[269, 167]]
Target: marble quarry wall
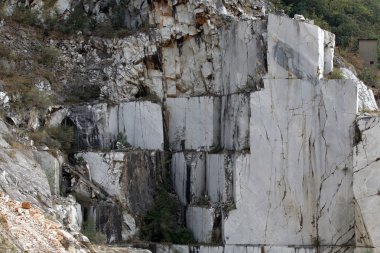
[[263, 146]]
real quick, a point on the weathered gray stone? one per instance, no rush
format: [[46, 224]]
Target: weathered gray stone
[[215, 177], [207, 249], [23, 179], [194, 123], [130, 176], [52, 167]]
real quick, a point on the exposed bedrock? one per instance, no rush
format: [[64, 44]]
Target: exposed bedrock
[[264, 152]]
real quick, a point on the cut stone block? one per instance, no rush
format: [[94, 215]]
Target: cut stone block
[[200, 221], [227, 61], [207, 249], [295, 49], [188, 175], [194, 123], [329, 45], [98, 126], [242, 56], [235, 116], [299, 184]]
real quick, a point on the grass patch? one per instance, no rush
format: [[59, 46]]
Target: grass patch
[[369, 77], [335, 74]]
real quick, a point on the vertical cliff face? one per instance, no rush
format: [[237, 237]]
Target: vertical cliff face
[[236, 107]]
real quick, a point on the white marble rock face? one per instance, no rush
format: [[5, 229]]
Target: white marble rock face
[[161, 248], [235, 117], [295, 49], [105, 169], [329, 44], [279, 249], [140, 122], [188, 173], [242, 249], [299, 181], [366, 181], [200, 221], [366, 99], [215, 177], [242, 56], [98, 125], [194, 123], [337, 249]]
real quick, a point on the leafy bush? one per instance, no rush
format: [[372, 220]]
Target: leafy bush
[[34, 98], [368, 76], [49, 3], [49, 56], [26, 16], [160, 223], [336, 74]]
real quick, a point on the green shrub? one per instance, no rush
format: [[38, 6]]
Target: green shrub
[[5, 51], [49, 3], [60, 137], [64, 135], [25, 16], [368, 76], [336, 74], [77, 21], [160, 223], [49, 56], [34, 98]]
